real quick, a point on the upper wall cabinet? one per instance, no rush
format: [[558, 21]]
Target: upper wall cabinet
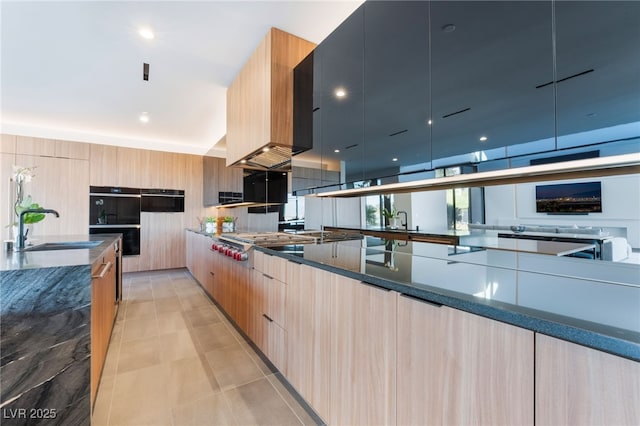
[[488, 61], [339, 66], [396, 88], [598, 73], [495, 84], [260, 100], [216, 178]]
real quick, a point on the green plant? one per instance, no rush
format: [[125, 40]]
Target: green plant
[[211, 219], [26, 204], [390, 214], [228, 219]]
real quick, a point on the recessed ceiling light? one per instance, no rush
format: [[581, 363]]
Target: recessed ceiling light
[[336, 150], [394, 159], [243, 161], [483, 138], [265, 149], [341, 93], [429, 122], [146, 33], [144, 117]]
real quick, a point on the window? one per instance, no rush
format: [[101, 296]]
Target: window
[[374, 206], [464, 205], [294, 209]]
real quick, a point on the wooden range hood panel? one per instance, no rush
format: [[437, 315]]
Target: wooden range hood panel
[[260, 99]]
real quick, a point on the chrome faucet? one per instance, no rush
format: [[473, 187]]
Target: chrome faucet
[[21, 223], [405, 224]]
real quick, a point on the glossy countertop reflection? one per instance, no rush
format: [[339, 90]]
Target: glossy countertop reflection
[[590, 302]]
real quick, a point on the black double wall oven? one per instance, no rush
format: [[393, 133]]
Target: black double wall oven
[[116, 210]]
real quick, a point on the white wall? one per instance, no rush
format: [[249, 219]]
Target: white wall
[[515, 204], [429, 210]]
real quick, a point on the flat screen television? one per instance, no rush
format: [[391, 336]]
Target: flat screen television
[[569, 198]]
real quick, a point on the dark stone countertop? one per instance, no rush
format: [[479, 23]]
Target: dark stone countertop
[[618, 341], [13, 260]]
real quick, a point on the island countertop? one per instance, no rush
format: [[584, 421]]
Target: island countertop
[[17, 260], [595, 304]]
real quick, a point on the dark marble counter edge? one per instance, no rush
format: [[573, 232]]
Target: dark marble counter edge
[[616, 341]]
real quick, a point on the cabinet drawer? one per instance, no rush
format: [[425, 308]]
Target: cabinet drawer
[[276, 293], [258, 261], [276, 345]]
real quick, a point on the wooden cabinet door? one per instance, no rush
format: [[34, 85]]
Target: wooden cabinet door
[[257, 299], [103, 164], [240, 283], [276, 345], [576, 385], [103, 309], [308, 313], [190, 249], [363, 353], [459, 368], [52, 174], [258, 261], [210, 186], [274, 308]]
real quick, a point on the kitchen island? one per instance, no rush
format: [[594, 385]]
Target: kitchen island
[[46, 334], [437, 323]]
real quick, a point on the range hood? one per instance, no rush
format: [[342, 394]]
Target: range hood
[[271, 157]]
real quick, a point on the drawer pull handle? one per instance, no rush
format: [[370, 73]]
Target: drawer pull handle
[[211, 273], [106, 267], [417, 299], [267, 317], [374, 286], [267, 276]]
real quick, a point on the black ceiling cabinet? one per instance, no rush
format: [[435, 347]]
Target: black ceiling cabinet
[[432, 84]]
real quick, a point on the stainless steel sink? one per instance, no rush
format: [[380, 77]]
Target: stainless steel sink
[[64, 245]]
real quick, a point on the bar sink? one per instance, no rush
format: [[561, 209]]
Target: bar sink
[[64, 245]]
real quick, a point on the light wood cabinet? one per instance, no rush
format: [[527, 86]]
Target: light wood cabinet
[[217, 177], [308, 315], [210, 185], [161, 241], [27, 145], [363, 353], [576, 385], [103, 162], [266, 307], [257, 328], [8, 144], [190, 250], [68, 149], [260, 99], [198, 260], [103, 311], [459, 368], [131, 168], [63, 185]]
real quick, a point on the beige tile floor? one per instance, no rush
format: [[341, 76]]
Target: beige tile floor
[[174, 359]]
